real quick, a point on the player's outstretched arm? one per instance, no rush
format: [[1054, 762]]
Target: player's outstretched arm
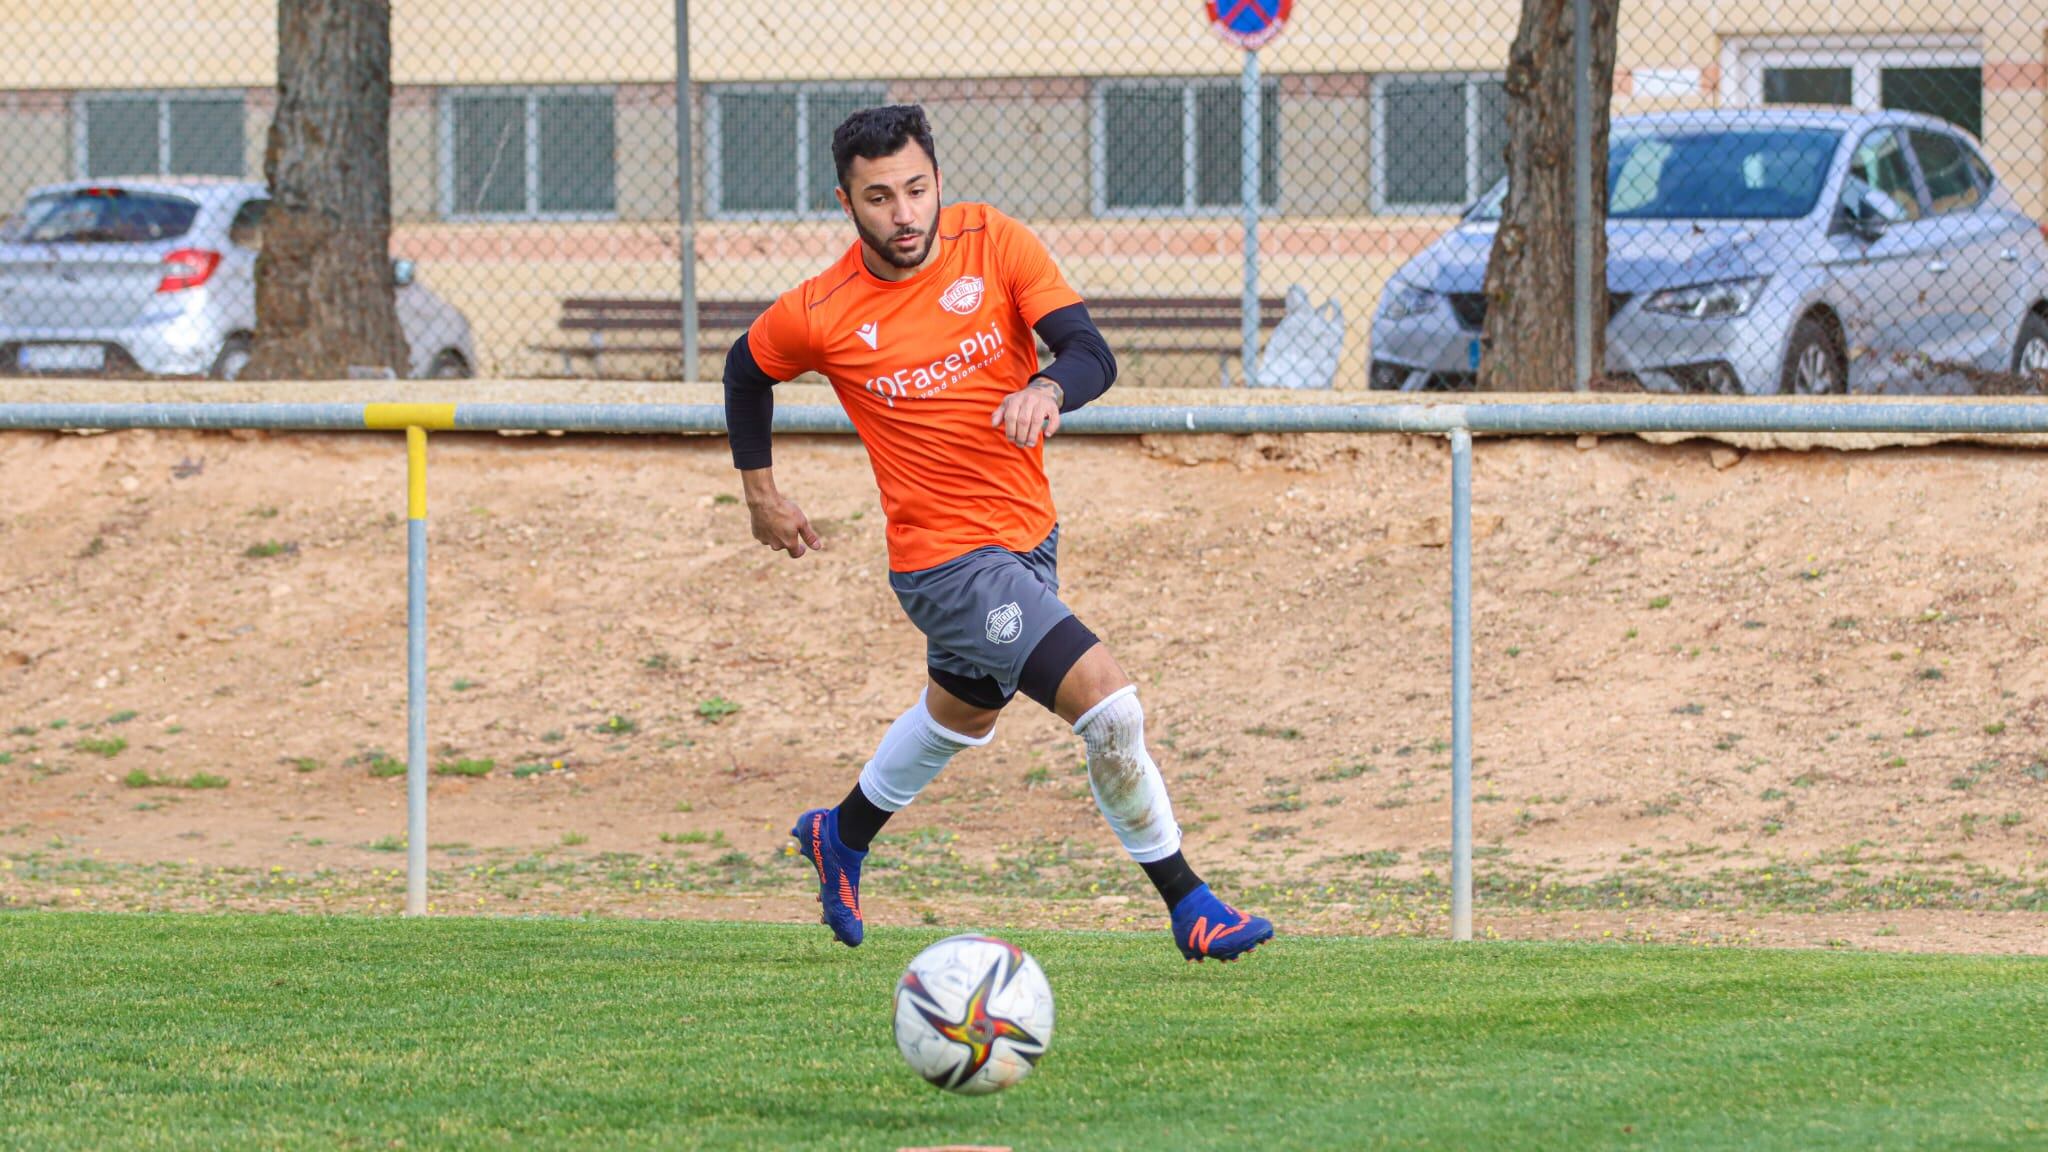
[[749, 415]]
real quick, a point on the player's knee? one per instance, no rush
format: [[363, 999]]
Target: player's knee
[[971, 728], [1114, 726], [964, 707]]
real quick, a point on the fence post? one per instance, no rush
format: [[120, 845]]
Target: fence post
[[416, 672], [686, 191], [1582, 195], [1461, 684]]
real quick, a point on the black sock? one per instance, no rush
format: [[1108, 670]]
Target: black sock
[[1173, 878], [859, 820]]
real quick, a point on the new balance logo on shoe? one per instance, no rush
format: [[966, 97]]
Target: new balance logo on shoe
[[869, 333]]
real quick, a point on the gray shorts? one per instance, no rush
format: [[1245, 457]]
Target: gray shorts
[[982, 614]]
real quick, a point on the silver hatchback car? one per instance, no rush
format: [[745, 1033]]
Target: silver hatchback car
[[1764, 251], [158, 277]]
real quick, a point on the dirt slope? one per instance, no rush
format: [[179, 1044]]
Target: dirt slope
[[1783, 696]]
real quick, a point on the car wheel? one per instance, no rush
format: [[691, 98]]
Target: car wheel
[[2030, 353], [233, 358], [448, 366], [1814, 363]]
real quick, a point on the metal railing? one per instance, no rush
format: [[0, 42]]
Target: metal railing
[[1456, 422]]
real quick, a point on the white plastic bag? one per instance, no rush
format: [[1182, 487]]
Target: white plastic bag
[[1305, 347]]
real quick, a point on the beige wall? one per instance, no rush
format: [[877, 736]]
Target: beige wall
[[69, 45], [415, 154], [2014, 123], [232, 43], [1011, 143], [259, 108], [1325, 145], [37, 143], [644, 133]]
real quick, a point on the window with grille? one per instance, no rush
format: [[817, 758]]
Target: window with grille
[[1941, 77], [1177, 147], [170, 134], [529, 155], [769, 149], [1438, 141]]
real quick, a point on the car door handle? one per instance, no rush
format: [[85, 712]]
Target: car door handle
[[1938, 267]]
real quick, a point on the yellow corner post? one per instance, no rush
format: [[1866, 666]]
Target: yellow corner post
[[416, 472], [415, 419]]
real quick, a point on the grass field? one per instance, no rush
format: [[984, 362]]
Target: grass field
[[288, 1032]]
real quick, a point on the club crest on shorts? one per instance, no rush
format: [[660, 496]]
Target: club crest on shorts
[[962, 296], [1005, 624]]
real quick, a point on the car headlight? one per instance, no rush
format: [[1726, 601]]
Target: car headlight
[[1708, 301], [1401, 301]]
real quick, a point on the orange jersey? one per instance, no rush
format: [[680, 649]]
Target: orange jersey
[[920, 366]]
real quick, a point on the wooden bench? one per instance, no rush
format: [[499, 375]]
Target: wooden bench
[[646, 326], [1164, 325]]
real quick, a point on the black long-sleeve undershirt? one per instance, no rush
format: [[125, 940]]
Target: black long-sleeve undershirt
[[1082, 366], [749, 407], [1082, 363]]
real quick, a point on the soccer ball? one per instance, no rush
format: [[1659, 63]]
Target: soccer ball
[[973, 1014]]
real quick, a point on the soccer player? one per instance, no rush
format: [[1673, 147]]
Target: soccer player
[[924, 328]]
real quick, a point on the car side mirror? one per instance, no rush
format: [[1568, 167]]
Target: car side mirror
[[402, 273], [1872, 213]]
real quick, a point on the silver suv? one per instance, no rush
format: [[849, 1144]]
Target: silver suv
[[1768, 250], [119, 277]]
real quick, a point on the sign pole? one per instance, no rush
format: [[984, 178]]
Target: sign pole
[[1249, 123], [1249, 25]]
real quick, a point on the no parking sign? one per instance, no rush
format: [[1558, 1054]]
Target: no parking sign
[[1249, 24]]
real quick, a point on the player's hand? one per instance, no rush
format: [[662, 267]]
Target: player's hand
[[1028, 413], [781, 525]]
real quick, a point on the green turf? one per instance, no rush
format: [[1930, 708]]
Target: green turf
[[299, 1032]]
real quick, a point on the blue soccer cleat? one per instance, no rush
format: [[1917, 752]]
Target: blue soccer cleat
[[817, 838], [1208, 929]]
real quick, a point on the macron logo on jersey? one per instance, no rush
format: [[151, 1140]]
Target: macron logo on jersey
[[869, 333], [979, 350]]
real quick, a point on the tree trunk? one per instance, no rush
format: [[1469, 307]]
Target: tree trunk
[[1528, 332], [325, 301]]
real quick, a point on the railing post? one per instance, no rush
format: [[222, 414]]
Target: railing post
[[416, 672], [1461, 684]]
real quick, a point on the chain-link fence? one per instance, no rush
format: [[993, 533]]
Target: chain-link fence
[[535, 176]]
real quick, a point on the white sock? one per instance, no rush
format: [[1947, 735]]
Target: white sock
[[912, 753], [1126, 783]]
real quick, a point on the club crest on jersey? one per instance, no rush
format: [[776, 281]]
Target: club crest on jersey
[[962, 297], [1005, 624]]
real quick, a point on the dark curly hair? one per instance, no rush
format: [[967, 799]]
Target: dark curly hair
[[873, 133]]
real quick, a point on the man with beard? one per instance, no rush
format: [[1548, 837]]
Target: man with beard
[[924, 328]]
